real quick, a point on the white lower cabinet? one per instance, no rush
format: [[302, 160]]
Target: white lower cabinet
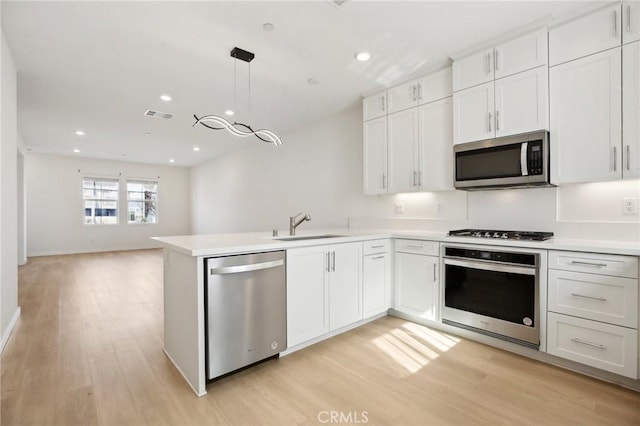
[[376, 277], [592, 308], [416, 278], [324, 290], [593, 343]]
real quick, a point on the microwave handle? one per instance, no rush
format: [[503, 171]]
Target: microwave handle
[[523, 158]]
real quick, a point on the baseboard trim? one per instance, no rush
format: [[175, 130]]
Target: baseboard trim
[[7, 333], [89, 251]]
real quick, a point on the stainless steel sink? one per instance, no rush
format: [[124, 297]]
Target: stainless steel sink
[[306, 237]]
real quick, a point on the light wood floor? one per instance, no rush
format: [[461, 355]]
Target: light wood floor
[[88, 351]]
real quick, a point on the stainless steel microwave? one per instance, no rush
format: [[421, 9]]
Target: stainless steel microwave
[[508, 162]]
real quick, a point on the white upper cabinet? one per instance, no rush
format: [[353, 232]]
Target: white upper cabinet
[[473, 114], [587, 35], [374, 106], [630, 21], [403, 145], [473, 70], [403, 96], [435, 86], [585, 119], [435, 156], [375, 156], [520, 54], [521, 102], [631, 110]]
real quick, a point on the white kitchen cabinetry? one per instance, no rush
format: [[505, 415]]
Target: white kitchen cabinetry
[[435, 137], [324, 290], [375, 156], [374, 106], [595, 32], [416, 278], [403, 144], [630, 21], [585, 119], [473, 111], [520, 54], [631, 109], [593, 310], [403, 96], [429, 88], [376, 277]]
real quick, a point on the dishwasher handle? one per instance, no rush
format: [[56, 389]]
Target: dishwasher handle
[[222, 270]]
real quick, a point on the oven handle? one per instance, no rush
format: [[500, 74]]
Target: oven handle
[[490, 266]]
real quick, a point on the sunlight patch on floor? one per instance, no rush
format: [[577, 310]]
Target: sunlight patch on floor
[[413, 347]]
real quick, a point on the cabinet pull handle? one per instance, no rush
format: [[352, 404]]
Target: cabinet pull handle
[[333, 255], [628, 157], [419, 91], [602, 299], [496, 65], [382, 102], [415, 247], [615, 23], [377, 257], [497, 120], [488, 63], [415, 175], [378, 246], [629, 18], [593, 345], [615, 158], [597, 265], [489, 120], [420, 178], [434, 273], [384, 181], [328, 262], [414, 92]]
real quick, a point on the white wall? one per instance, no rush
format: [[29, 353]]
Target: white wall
[[319, 170], [9, 311], [22, 211], [55, 214]]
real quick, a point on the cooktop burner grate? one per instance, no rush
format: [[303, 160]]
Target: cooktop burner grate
[[504, 235]]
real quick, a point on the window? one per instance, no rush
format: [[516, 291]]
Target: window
[[142, 201], [100, 197]]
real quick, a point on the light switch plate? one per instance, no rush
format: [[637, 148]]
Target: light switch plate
[[629, 205]]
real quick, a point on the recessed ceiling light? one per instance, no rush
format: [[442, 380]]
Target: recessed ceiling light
[[268, 26], [80, 133], [171, 160], [29, 149], [312, 81], [165, 98], [147, 133], [196, 148], [124, 155], [363, 56], [76, 150], [229, 112]]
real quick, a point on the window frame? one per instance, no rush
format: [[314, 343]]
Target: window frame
[[97, 178], [127, 181]]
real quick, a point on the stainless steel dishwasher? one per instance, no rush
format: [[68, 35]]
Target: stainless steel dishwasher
[[246, 316]]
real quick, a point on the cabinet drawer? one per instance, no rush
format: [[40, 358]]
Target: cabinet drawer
[[596, 297], [599, 345], [375, 246], [594, 263], [430, 248]]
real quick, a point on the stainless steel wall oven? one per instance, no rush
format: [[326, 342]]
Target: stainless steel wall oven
[[493, 291]]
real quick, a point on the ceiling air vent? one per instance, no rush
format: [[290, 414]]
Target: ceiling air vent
[[157, 114], [337, 3]]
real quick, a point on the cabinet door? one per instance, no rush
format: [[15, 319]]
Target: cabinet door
[[473, 70], [375, 284], [307, 294], [435, 160], [435, 86], [630, 21], [584, 36], [521, 102], [402, 97], [520, 54], [416, 284], [473, 114], [585, 119], [374, 106], [631, 110], [403, 143], [345, 285], [375, 156]]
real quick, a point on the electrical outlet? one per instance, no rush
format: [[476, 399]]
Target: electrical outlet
[[398, 208], [629, 205], [439, 208]]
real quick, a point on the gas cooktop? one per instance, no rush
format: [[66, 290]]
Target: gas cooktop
[[504, 235]]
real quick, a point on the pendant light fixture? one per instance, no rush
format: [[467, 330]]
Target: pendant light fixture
[[238, 129]]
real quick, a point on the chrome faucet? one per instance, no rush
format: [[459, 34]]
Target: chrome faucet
[[294, 222]]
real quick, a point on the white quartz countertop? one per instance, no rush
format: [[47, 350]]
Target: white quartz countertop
[[226, 244]]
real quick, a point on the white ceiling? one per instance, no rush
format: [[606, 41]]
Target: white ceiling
[[97, 66]]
